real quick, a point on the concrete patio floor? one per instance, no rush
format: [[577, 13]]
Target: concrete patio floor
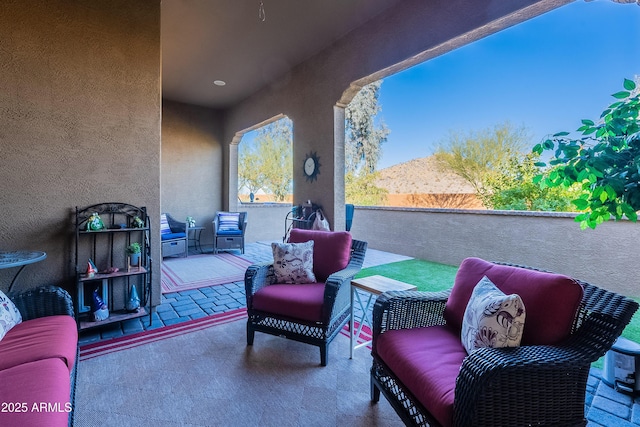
[[604, 406]]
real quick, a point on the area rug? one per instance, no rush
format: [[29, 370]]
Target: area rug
[[198, 271], [92, 350]]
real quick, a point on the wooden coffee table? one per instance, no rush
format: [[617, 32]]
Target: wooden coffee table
[[374, 286]]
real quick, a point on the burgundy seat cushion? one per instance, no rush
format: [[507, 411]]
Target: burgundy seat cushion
[[40, 338], [297, 301], [427, 362], [550, 300], [331, 250], [43, 382]]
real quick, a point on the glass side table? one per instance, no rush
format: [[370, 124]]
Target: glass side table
[[197, 231], [20, 259]]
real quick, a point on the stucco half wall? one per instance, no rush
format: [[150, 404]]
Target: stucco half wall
[[607, 256]]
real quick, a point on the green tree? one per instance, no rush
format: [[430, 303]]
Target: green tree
[[360, 189], [481, 157], [604, 161], [268, 163], [495, 163], [513, 188], [249, 170], [365, 134]]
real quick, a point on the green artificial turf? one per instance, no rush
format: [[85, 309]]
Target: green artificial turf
[[426, 275], [431, 276]]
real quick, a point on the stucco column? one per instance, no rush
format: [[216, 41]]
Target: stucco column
[[232, 203], [339, 214]]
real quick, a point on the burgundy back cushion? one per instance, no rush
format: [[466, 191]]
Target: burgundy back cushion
[[550, 300], [331, 250]]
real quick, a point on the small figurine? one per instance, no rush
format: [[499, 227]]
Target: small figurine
[[137, 222], [91, 269], [99, 308], [134, 300], [94, 223]]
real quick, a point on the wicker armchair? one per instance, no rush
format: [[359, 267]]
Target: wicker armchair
[[542, 385], [335, 304]]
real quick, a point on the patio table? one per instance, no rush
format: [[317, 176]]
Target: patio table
[[10, 259], [374, 286]]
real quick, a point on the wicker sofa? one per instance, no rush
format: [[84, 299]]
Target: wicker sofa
[[38, 361], [421, 367]]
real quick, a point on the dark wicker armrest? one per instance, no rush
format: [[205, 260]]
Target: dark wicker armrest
[[337, 292], [509, 385], [339, 278], [487, 375], [43, 301], [257, 277], [406, 310]]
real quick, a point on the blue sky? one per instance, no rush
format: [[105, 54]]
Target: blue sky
[[545, 74]]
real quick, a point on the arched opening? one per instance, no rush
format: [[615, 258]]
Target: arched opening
[[265, 172], [260, 163], [494, 86]]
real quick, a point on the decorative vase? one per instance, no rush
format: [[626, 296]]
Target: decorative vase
[[135, 258], [134, 300]]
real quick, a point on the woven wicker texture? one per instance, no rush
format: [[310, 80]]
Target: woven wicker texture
[[335, 311], [529, 385]]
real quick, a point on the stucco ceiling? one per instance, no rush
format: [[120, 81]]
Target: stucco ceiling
[[208, 40]]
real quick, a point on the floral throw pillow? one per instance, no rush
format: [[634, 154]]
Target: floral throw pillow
[[492, 319], [293, 262], [9, 315]]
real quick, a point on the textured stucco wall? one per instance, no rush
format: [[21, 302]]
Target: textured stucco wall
[[80, 119], [192, 172], [606, 256], [265, 221], [409, 32]]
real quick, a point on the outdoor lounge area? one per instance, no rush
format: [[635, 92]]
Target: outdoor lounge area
[[144, 104], [604, 406]]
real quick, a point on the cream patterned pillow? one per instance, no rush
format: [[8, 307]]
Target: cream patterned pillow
[[293, 262], [492, 319], [9, 315]]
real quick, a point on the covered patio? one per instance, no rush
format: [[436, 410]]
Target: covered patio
[[604, 406], [149, 127], [101, 104]]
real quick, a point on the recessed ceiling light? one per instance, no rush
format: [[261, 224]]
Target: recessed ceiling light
[[219, 82]]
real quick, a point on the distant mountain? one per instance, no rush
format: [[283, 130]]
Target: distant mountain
[[421, 176]]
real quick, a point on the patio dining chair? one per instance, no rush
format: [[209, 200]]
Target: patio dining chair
[[312, 305]]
